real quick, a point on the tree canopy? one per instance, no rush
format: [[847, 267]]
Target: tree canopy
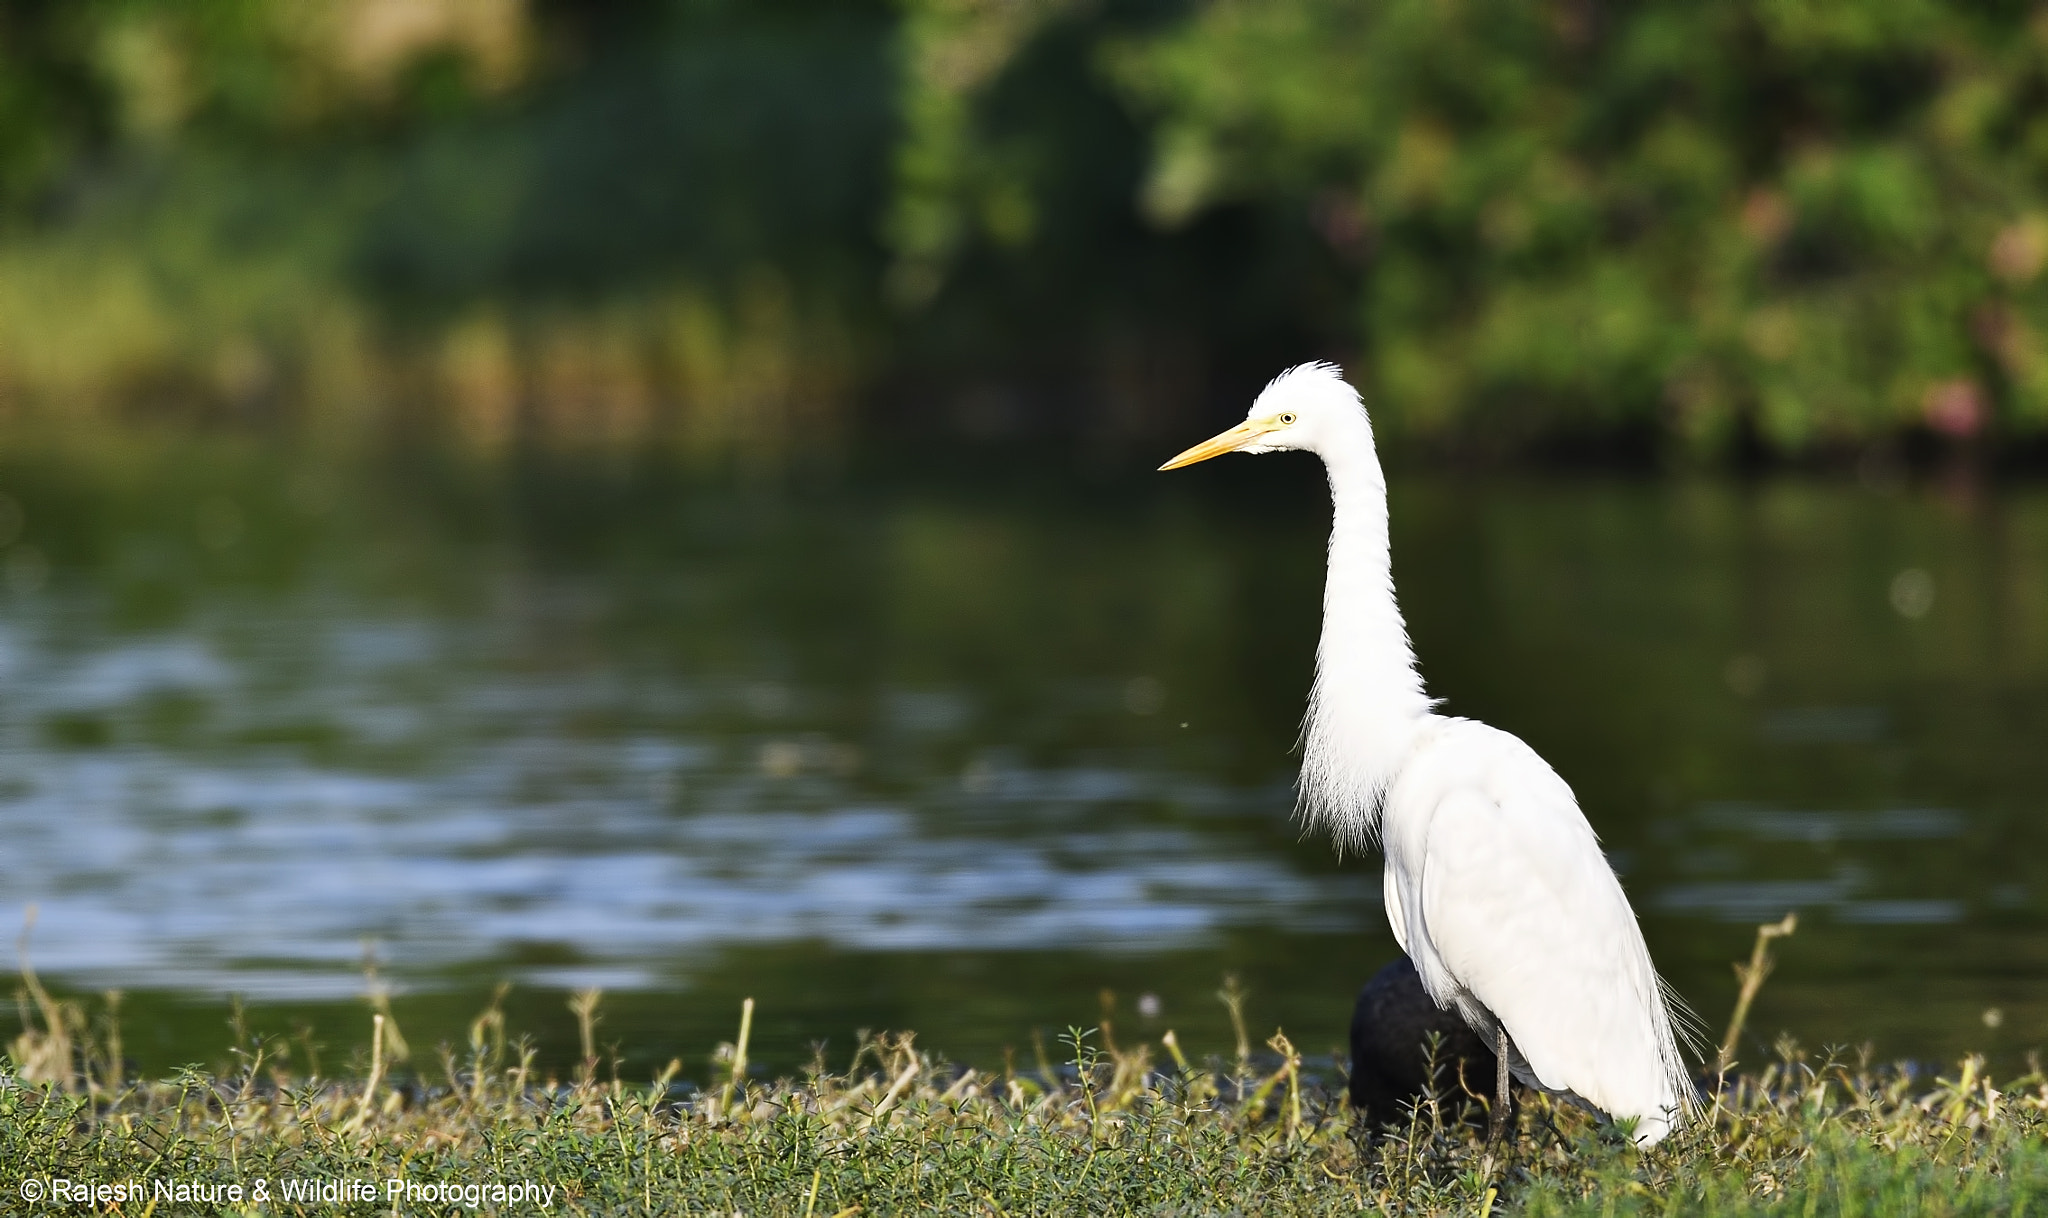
[[1790, 225]]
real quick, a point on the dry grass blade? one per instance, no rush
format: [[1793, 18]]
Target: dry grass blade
[[1751, 976]]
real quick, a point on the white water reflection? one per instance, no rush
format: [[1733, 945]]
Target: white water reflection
[[440, 790], [1845, 895], [333, 779], [1885, 824]]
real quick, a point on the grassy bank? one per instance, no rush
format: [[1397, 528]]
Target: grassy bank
[[1094, 1126]]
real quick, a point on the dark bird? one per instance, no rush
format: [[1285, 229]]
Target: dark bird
[[1390, 1036]]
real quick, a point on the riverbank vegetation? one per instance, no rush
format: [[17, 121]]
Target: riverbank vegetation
[[1095, 1124], [741, 231]]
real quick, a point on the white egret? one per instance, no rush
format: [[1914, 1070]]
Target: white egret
[[1495, 885]]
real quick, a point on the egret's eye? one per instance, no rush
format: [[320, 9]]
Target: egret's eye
[[1287, 420]]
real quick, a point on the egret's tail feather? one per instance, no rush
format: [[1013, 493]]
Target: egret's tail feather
[[1683, 1027], [1686, 1023]]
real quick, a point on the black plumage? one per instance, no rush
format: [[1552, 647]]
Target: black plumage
[[1390, 1034]]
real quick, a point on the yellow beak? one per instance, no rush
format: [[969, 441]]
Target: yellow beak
[[1229, 442]]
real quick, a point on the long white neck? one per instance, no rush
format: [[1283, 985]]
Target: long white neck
[[1368, 703]]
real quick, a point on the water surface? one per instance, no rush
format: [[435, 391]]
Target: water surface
[[961, 754]]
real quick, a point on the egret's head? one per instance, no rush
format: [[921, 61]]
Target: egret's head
[[1309, 407]]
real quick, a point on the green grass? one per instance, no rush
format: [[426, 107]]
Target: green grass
[[1114, 1128]]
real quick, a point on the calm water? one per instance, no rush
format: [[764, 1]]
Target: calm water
[[961, 753]]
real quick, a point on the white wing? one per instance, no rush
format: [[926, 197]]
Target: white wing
[[1509, 905]]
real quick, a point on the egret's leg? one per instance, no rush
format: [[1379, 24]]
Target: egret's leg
[[1498, 1125]]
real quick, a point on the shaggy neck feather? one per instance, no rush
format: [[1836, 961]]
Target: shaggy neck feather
[[1368, 703]]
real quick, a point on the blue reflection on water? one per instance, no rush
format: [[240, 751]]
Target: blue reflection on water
[[472, 817]]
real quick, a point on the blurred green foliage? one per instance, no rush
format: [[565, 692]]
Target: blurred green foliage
[[444, 218], [1790, 225], [1818, 220]]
